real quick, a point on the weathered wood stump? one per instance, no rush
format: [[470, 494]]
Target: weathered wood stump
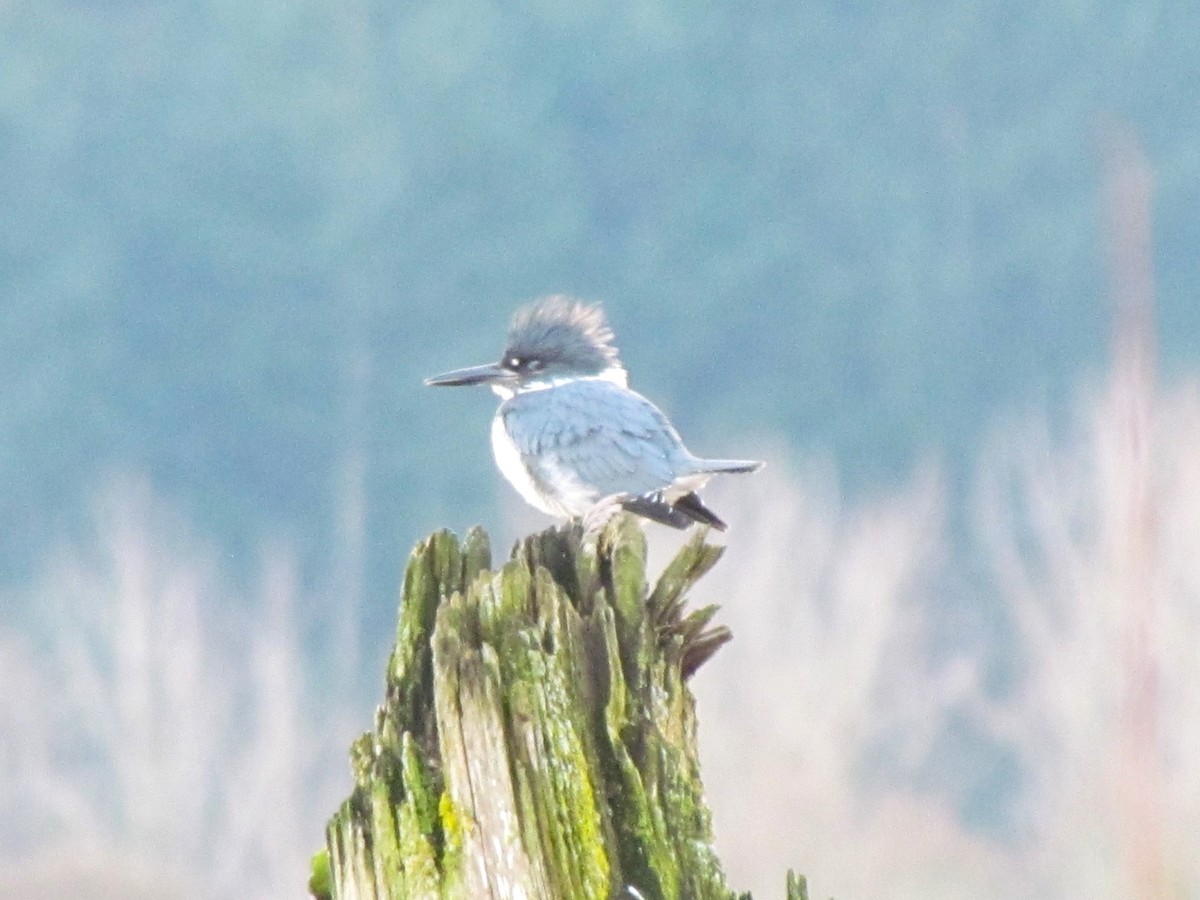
[[538, 739]]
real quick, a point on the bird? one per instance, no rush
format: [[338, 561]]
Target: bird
[[570, 434]]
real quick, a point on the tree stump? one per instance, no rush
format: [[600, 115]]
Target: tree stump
[[538, 739]]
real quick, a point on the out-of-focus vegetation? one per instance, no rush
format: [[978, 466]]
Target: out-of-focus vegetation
[[170, 738], [236, 235], [163, 735], [837, 698]]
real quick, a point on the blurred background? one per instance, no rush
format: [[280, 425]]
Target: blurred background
[[935, 263]]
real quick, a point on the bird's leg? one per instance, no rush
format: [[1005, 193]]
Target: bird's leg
[[601, 514]]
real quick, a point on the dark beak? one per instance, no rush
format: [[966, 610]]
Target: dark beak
[[489, 374]]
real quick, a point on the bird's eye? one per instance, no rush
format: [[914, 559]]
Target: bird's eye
[[524, 364]]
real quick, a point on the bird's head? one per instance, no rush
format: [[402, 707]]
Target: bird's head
[[552, 340]]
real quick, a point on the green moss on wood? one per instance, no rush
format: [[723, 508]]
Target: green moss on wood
[[537, 736], [320, 883]]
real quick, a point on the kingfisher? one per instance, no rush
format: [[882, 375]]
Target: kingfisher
[[572, 437]]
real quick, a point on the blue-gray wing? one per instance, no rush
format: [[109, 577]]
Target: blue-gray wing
[[607, 438]]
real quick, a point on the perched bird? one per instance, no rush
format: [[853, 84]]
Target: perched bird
[[572, 437]]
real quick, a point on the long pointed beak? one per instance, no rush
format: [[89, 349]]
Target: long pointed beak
[[489, 374]]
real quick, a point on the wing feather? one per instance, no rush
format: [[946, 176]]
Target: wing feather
[[607, 439]]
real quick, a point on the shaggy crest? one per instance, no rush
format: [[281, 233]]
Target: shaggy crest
[[561, 329]]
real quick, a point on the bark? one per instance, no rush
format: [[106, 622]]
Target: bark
[[538, 738]]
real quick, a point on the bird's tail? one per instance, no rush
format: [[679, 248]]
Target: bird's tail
[[680, 513], [728, 465]]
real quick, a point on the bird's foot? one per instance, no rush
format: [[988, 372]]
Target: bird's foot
[[601, 513]]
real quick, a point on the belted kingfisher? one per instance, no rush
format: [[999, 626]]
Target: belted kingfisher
[[570, 434]]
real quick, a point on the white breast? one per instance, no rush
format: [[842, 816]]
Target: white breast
[[508, 458], [573, 498]]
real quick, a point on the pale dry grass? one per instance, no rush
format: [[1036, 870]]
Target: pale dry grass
[[1095, 543], [816, 718], [159, 733], [160, 736], [825, 701]]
